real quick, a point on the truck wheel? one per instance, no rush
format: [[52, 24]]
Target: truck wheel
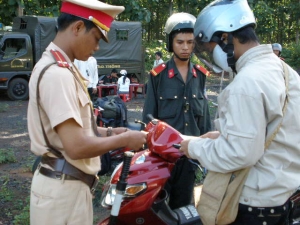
[[18, 89]]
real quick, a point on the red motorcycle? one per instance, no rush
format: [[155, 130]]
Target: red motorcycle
[[136, 193], [141, 197]]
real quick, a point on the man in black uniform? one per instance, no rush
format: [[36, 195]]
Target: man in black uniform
[[112, 77], [175, 94]]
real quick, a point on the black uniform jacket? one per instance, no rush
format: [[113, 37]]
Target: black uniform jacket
[[181, 105]]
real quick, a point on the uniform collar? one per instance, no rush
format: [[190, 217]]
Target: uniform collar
[[55, 47], [173, 71]]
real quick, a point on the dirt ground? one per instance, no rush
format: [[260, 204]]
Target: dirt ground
[[15, 178]]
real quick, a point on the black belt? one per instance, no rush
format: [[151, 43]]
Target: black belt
[[264, 211], [56, 175], [64, 170]]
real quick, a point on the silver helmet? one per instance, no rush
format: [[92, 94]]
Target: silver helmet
[[277, 46], [178, 22], [222, 16]]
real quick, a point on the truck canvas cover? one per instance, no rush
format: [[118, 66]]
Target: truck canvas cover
[[41, 30], [118, 48], [123, 50]]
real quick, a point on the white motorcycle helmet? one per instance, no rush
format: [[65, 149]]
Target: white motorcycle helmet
[[176, 23], [277, 46], [222, 16]]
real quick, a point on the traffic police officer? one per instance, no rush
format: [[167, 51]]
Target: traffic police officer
[[61, 123], [175, 94]]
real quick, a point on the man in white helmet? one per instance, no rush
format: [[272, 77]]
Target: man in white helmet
[[175, 94], [277, 49], [253, 110]]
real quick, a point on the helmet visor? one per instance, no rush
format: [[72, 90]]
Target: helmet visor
[[204, 52]]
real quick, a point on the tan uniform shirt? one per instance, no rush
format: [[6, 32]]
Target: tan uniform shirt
[[61, 98], [250, 109]]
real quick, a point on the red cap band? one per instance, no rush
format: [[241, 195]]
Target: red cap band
[[81, 11]]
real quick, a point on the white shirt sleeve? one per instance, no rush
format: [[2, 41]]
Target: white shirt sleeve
[[94, 71], [242, 135]]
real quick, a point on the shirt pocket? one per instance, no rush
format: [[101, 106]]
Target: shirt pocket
[[85, 110], [197, 103], [169, 103], [242, 141]]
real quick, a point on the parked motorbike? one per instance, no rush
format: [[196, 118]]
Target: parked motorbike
[[145, 201], [137, 196]]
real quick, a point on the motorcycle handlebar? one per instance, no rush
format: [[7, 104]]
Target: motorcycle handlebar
[[150, 117], [177, 146]]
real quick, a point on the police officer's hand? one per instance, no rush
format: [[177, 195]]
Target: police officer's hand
[[136, 139], [94, 90], [119, 130]]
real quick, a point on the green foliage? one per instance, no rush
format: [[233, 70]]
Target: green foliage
[[199, 177], [6, 195], [278, 21], [23, 218], [291, 54], [265, 21], [8, 198], [152, 47], [102, 181], [7, 156]]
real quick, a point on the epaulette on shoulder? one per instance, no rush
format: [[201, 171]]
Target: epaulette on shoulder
[[158, 69], [202, 69], [59, 58]]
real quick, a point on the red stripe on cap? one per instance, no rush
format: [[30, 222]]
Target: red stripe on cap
[[81, 11]]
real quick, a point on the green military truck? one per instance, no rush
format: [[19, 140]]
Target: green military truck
[[124, 50], [21, 48]]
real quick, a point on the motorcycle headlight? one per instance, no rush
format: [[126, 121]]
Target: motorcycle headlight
[[108, 195]]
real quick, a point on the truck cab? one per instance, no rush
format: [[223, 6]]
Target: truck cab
[[16, 64], [20, 49]]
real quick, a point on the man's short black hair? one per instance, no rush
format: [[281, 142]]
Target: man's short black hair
[[246, 34], [159, 54], [114, 71], [65, 19]]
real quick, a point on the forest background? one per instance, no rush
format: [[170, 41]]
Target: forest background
[[278, 21]]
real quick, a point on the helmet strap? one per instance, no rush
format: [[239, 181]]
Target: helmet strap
[[230, 52]]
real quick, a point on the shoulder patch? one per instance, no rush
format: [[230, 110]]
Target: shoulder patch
[[60, 59], [158, 69], [202, 69]]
